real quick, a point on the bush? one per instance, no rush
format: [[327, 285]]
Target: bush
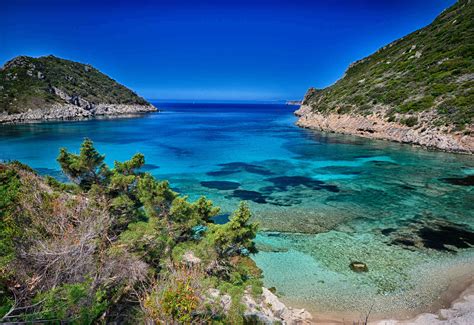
[[75, 303], [418, 105], [410, 121]]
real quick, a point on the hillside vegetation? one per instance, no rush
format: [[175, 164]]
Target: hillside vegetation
[[117, 245], [425, 79], [36, 83]]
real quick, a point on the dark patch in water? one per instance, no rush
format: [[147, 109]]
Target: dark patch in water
[[461, 181], [237, 167], [443, 235], [254, 196], [331, 188], [407, 187], [221, 173], [221, 219], [437, 234], [403, 241], [273, 234], [177, 151], [340, 170], [221, 185], [382, 163], [148, 167], [284, 183], [387, 231]]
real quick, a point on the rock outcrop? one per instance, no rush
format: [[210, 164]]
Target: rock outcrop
[[375, 127], [73, 112], [268, 309]]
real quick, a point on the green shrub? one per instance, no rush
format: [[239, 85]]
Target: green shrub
[[410, 121], [75, 303]]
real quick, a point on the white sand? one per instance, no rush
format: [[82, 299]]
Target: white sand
[[461, 312]]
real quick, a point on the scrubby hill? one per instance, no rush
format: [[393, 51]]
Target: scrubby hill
[[70, 88], [418, 89]]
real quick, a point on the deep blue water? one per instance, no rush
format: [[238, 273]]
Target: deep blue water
[[322, 200]]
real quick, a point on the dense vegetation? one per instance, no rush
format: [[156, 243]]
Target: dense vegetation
[[427, 76], [116, 244], [31, 83]]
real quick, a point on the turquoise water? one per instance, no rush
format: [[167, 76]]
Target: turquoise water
[[322, 200]]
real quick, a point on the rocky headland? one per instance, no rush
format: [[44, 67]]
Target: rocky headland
[[50, 88], [418, 89]]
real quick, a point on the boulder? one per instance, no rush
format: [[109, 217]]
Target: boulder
[[268, 309], [359, 267], [190, 259]]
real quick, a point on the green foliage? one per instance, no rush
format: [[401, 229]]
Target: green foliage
[[143, 239], [74, 303], [236, 236], [410, 121], [85, 169], [417, 105], [9, 190], [205, 209], [180, 302]]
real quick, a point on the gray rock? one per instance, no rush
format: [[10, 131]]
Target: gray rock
[[268, 309]]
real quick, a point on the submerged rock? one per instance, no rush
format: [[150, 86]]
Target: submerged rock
[[254, 196], [461, 181], [221, 185], [359, 267], [436, 234]]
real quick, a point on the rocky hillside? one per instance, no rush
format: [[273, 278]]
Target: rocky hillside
[[53, 88], [418, 89]]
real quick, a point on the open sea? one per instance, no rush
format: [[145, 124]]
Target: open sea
[[322, 200]]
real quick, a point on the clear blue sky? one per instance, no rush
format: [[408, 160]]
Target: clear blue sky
[[261, 50]]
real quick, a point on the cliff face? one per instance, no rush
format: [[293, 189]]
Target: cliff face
[[54, 88], [418, 89]]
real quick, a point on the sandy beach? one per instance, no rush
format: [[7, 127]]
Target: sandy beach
[[460, 312]]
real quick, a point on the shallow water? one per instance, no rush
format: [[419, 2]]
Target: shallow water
[[322, 200]]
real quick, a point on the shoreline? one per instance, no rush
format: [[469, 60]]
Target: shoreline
[[459, 307], [460, 310], [455, 301], [69, 112], [374, 127]]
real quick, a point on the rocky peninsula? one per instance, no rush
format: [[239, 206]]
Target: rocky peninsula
[[50, 88]]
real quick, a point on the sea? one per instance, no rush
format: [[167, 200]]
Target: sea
[[322, 200]]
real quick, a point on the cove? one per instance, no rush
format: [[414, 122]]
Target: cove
[[322, 200]]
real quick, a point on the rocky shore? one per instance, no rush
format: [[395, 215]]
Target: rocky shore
[[268, 309], [375, 127], [75, 112]]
